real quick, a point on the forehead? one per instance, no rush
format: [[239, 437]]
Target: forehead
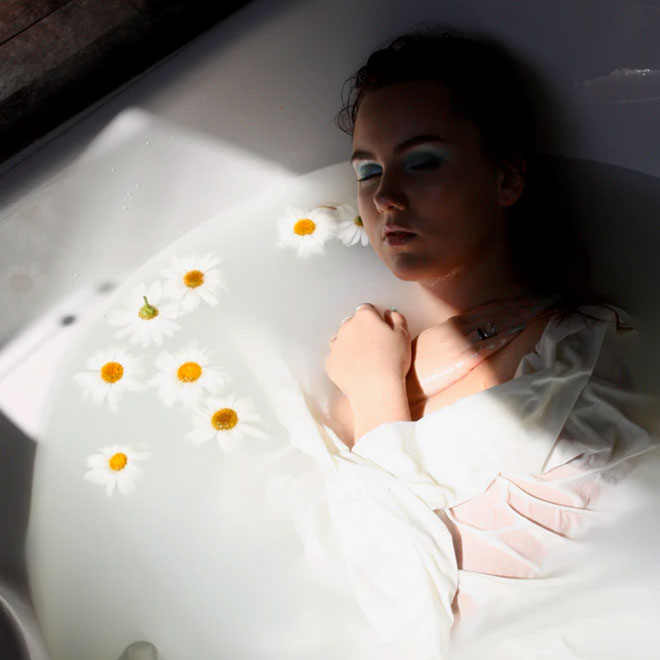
[[392, 114]]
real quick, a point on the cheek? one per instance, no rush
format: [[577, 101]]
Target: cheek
[[363, 200]]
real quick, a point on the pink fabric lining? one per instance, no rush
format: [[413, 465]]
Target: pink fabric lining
[[508, 530]]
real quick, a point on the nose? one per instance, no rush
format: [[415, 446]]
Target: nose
[[390, 196]]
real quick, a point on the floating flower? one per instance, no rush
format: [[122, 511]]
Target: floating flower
[[228, 419], [306, 230], [115, 466], [146, 319], [351, 228], [111, 372], [192, 279], [187, 376]]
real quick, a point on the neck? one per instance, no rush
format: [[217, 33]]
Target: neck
[[489, 278]]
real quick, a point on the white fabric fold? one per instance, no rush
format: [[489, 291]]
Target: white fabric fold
[[397, 553], [386, 505]]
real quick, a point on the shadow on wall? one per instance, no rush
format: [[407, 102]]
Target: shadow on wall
[[615, 211], [16, 470]]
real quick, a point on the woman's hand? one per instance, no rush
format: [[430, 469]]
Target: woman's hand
[[368, 361], [444, 353], [367, 349]]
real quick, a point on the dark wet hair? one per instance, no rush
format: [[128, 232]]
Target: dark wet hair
[[489, 87], [483, 81]]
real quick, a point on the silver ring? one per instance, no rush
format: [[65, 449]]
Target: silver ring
[[487, 330]]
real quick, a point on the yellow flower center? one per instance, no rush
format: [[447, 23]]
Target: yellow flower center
[[118, 462], [111, 372], [304, 227], [193, 278], [189, 372], [147, 311], [224, 419], [358, 221]]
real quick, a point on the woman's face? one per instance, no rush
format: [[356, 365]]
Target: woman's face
[[431, 202]]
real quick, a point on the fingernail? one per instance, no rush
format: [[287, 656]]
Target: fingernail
[[347, 318], [545, 303], [517, 328]]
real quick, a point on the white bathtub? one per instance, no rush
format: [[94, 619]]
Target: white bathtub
[[242, 112]]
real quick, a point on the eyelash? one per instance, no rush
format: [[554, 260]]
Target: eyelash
[[366, 177], [430, 163]]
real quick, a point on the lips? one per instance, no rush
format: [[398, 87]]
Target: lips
[[397, 235]]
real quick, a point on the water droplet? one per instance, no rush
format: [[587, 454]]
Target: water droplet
[[137, 185], [76, 275], [147, 143], [112, 169]]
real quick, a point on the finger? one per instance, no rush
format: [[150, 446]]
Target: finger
[[540, 306], [395, 319], [504, 317], [486, 346]]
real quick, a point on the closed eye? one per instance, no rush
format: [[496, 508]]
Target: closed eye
[[367, 170], [424, 163]]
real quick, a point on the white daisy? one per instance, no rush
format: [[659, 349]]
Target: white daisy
[[115, 466], [146, 319], [111, 372], [228, 419], [193, 278], [351, 228], [187, 376], [306, 230]]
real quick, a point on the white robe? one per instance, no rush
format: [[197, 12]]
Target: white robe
[[566, 425]]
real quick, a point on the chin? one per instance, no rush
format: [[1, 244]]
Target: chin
[[415, 274], [410, 269]]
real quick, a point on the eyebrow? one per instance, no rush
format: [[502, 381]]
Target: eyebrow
[[360, 154]]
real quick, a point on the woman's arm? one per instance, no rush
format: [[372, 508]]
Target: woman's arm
[[340, 418], [368, 361], [371, 361]]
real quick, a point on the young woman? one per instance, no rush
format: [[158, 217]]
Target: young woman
[[507, 414], [443, 139]]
